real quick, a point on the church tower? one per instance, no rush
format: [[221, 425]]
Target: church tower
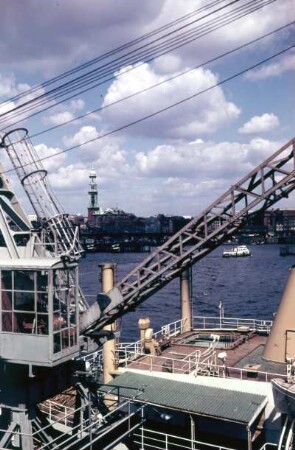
[[93, 207]]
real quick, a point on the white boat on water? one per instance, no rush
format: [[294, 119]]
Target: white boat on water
[[240, 250]]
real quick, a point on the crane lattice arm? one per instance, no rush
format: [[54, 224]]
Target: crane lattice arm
[[57, 235], [271, 181], [33, 178]]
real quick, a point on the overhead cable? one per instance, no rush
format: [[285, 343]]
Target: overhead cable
[[147, 57], [109, 53], [166, 80], [173, 105]]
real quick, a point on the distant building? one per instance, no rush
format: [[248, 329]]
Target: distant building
[[77, 219], [93, 208], [280, 221], [114, 221]]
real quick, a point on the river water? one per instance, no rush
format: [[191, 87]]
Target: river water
[[248, 287]]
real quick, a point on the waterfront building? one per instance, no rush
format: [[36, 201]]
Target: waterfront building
[[93, 207]]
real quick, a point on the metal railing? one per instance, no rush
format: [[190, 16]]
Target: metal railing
[[207, 322], [91, 427], [127, 352], [150, 439], [171, 329], [268, 446], [95, 359], [191, 364], [57, 412]]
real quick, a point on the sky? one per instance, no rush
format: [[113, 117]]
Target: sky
[[168, 134]]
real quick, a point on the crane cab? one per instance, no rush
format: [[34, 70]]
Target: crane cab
[[39, 311]]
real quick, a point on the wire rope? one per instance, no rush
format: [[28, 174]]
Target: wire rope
[[141, 91], [153, 56], [160, 111]]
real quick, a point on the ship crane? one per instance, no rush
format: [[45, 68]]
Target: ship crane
[[268, 183], [59, 237], [43, 325]]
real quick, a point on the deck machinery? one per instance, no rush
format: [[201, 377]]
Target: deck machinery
[[45, 321]]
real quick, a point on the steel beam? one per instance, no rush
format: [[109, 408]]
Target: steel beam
[[268, 183]]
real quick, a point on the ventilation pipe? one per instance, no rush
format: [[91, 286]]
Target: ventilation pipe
[[280, 346], [109, 347], [185, 300]]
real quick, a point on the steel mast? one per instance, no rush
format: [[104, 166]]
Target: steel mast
[[58, 235]]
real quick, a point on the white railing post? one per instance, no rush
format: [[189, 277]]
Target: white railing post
[[142, 439]]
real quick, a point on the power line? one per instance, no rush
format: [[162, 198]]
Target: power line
[[192, 35], [149, 116], [111, 52], [101, 58], [164, 81]]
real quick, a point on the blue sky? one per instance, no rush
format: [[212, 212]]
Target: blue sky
[[176, 162]]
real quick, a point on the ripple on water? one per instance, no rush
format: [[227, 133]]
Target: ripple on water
[[246, 286]]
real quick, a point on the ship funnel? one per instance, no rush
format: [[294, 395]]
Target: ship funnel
[[280, 346]]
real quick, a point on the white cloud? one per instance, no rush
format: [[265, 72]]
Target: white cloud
[[66, 33], [274, 69], [5, 107], [77, 104], [164, 164], [106, 153], [260, 124], [50, 164], [178, 179], [167, 64], [73, 177], [86, 133], [9, 87], [203, 161], [59, 118], [236, 33], [203, 114], [64, 113]]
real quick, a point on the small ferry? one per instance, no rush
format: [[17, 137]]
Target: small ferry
[[240, 250]]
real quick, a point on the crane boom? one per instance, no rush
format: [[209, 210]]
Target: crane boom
[[58, 235], [261, 188], [268, 183]]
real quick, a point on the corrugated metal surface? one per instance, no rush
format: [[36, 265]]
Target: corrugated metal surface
[[193, 398]]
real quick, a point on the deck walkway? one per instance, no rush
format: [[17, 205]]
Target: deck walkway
[[245, 354]]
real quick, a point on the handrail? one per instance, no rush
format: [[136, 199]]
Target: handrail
[[193, 366], [268, 446], [93, 428], [221, 322], [282, 435], [134, 350], [290, 437], [150, 439]]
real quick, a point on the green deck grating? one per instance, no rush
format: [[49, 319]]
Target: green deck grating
[[191, 398]]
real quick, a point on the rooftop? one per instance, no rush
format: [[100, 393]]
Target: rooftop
[[215, 402]]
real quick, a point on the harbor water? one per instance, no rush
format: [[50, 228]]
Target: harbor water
[[247, 286]]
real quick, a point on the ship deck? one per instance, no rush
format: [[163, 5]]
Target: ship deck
[[241, 357]]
